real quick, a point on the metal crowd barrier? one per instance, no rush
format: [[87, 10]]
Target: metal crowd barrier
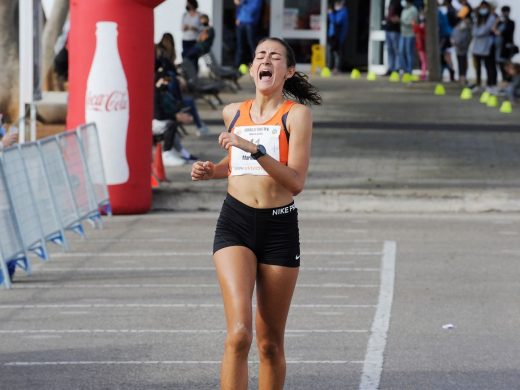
[[48, 187]]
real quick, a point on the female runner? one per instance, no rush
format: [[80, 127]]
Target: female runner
[[257, 239]]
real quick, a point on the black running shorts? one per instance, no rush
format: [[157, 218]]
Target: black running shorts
[[272, 234]]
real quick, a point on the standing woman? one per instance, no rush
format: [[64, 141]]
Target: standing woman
[[483, 43], [190, 26], [268, 140]]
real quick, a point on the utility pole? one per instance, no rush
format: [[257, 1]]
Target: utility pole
[[432, 41]]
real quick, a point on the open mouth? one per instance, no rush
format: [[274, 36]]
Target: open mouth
[[265, 73]]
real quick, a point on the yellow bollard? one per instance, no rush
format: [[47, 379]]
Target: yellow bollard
[[466, 94], [506, 107], [317, 58], [440, 90]]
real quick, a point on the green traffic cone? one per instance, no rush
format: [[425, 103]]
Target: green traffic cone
[[243, 68], [371, 76], [492, 101], [325, 72], [440, 90], [407, 78], [466, 94], [394, 77], [506, 107], [355, 74], [484, 97]]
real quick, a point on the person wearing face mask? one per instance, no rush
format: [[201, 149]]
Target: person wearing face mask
[[504, 30], [190, 26], [483, 43], [409, 17]]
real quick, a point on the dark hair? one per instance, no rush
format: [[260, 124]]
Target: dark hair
[[193, 3], [298, 86], [506, 8]]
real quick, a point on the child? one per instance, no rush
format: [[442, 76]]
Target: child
[[420, 44], [461, 39]]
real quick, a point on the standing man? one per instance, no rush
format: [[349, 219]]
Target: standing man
[[337, 34], [248, 16], [392, 26], [409, 17]]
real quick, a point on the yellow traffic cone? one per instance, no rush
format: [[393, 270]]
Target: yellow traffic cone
[[371, 76], [407, 78], [394, 77], [440, 90], [355, 74], [243, 68], [484, 97], [506, 107], [492, 101], [325, 72], [466, 94], [415, 78]]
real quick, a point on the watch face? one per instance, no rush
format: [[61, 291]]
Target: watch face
[[261, 150]]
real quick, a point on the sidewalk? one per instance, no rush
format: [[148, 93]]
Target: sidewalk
[[379, 146]]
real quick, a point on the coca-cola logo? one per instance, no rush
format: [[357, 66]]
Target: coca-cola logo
[[108, 102]]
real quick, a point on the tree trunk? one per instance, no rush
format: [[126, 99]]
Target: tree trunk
[[51, 32], [432, 41], [9, 59]]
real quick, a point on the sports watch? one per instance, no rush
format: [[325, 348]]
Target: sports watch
[[260, 151]]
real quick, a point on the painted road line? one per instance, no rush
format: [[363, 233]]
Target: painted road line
[[192, 254], [50, 269], [170, 286], [373, 364], [162, 331], [164, 306], [161, 362]]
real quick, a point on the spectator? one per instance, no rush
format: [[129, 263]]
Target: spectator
[[465, 10], [461, 39], [513, 89], [8, 140], [409, 16], [204, 41], [248, 16], [175, 83], [392, 27], [483, 41], [420, 43], [504, 30], [190, 26], [167, 115], [337, 33], [445, 31]]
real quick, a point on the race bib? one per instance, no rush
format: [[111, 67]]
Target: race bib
[[241, 162]]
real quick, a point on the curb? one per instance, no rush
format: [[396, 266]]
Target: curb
[[357, 201]]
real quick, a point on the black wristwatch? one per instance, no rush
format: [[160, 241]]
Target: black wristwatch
[[260, 151]]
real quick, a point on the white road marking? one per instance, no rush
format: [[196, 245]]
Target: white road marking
[[161, 362], [192, 254], [161, 306], [50, 268], [373, 364], [161, 331], [171, 285]]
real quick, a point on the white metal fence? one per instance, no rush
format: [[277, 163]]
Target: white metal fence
[[47, 187]]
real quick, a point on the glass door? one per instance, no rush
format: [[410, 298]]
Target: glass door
[[301, 23]]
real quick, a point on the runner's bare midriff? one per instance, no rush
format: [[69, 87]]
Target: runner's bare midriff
[[258, 191]]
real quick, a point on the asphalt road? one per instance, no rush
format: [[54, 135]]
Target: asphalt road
[[137, 306]]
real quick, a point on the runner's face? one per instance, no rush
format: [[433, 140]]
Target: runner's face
[[269, 68]]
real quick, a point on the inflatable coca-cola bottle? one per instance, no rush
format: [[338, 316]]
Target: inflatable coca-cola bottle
[[107, 103]]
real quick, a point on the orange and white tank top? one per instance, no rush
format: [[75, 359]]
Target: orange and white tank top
[[273, 134]]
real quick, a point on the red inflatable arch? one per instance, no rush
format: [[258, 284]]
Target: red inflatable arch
[[111, 61]]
